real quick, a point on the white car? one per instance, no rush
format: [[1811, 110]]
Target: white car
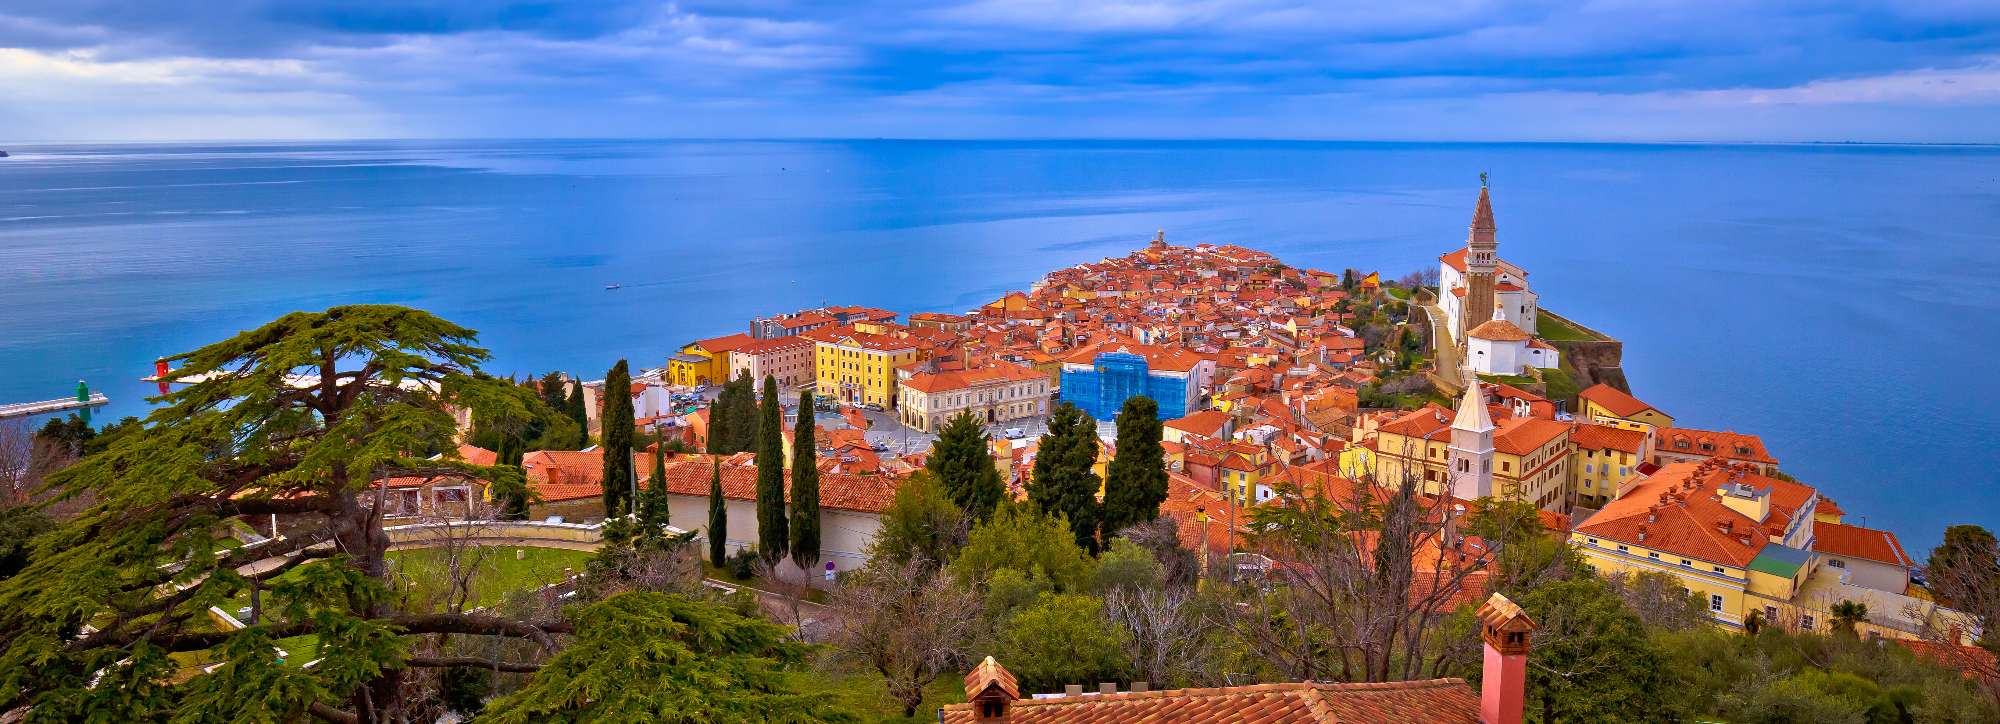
[[1015, 433]]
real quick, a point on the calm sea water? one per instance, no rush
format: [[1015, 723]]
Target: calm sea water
[[1840, 301]]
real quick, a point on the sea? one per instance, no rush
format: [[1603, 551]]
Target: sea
[[1841, 301]]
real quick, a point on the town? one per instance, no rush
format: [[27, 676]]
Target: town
[[1153, 470]]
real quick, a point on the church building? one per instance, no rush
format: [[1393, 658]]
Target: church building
[[1477, 286]]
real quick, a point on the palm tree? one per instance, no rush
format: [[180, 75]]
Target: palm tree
[[1847, 615]]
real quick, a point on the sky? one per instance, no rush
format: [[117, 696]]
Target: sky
[[1469, 70]]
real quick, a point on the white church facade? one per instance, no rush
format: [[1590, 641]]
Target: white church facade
[[1466, 275]]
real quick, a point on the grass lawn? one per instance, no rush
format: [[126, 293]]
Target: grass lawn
[[1562, 384], [722, 574], [502, 571], [1548, 328], [1399, 292], [1516, 380]]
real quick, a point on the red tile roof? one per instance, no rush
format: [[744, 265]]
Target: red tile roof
[[1499, 330], [1611, 398], [1857, 542], [1667, 439], [1605, 437], [1525, 435], [1438, 701]]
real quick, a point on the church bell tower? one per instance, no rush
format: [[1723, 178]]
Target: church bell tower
[[1481, 260], [1471, 454]]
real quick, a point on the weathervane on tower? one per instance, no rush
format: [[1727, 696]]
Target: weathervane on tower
[[1482, 179]]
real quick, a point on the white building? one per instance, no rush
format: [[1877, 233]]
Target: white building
[[1500, 348], [1512, 300]]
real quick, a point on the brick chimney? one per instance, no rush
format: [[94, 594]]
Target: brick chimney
[[991, 690], [1506, 629]]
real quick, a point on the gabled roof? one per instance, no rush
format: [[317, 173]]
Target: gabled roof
[[1525, 435], [1857, 542], [1725, 443], [1605, 437], [1615, 400], [1438, 701], [1206, 423]]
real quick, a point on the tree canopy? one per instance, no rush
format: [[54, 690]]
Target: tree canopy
[[774, 541], [1063, 481], [1136, 482], [804, 521], [309, 414], [961, 461], [645, 658]]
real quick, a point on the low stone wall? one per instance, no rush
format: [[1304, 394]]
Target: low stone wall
[[503, 532]]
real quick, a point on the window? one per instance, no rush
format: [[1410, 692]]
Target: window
[[1593, 541], [1622, 473], [1806, 622], [1836, 563], [1708, 447], [1655, 555], [1505, 466], [1687, 563], [1770, 613], [1680, 444], [1587, 469], [1623, 549], [1718, 569], [1715, 602]]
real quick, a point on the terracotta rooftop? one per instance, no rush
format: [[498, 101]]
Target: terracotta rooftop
[[1499, 330], [1857, 542], [1615, 400], [1439, 701], [1605, 437]]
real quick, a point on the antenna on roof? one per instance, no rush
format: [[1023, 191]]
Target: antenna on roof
[[1482, 179]]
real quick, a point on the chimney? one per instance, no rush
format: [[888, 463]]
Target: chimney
[[1642, 533], [1506, 630], [1107, 688], [991, 691], [1073, 690], [1140, 687]]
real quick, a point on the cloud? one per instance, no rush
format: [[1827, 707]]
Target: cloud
[[1469, 69]]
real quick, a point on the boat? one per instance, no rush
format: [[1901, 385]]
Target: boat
[[611, 286]]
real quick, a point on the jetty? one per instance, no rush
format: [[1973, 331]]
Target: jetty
[[84, 400]]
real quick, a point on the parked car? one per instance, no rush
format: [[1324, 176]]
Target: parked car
[[872, 407], [1015, 433], [880, 446]]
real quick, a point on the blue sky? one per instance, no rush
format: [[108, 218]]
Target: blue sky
[[1617, 70]]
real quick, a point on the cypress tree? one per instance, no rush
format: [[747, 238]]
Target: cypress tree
[[773, 540], [574, 406], [512, 492], [1063, 481], [960, 461], [718, 424], [617, 437], [805, 487], [743, 416], [653, 508], [1136, 482], [718, 520]]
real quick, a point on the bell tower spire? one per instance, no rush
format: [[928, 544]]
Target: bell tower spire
[[1471, 473], [1481, 261]]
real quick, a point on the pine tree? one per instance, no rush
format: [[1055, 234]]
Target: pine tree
[[617, 437], [552, 393], [773, 540], [1136, 482], [805, 487], [1063, 481], [962, 464], [718, 520]]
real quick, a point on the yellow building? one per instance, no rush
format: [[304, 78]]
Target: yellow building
[[859, 368], [1603, 459], [1605, 401], [1740, 544], [1529, 456], [705, 361]]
